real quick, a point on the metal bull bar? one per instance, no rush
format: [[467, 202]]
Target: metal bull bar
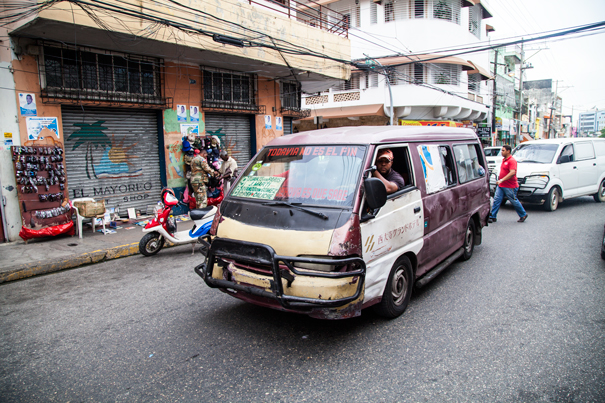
[[258, 254]]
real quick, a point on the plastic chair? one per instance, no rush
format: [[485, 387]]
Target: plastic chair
[[80, 218]]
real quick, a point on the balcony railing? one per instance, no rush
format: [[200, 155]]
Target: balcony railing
[[310, 13]]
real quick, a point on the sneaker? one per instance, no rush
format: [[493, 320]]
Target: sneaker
[[522, 219], [492, 219]]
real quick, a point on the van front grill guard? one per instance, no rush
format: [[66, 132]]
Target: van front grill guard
[[258, 254]]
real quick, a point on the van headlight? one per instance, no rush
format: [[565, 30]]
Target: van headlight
[[537, 179]]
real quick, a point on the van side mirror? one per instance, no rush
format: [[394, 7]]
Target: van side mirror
[[564, 159], [376, 192]]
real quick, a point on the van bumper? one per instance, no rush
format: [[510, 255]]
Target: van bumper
[[265, 278]]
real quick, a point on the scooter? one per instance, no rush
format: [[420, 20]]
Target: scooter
[[163, 227]]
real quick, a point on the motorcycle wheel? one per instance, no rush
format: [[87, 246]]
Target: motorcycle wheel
[[151, 244]]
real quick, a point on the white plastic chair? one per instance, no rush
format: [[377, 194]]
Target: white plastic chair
[[80, 218]]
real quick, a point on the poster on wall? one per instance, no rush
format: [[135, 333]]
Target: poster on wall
[[278, 123], [267, 121], [39, 127], [181, 113], [27, 104], [194, 113], [190, 130]]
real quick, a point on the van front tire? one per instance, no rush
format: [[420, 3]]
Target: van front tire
[[398, 290], [552, 200]]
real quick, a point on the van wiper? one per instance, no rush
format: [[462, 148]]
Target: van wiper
[[531, 161], [295, 206]]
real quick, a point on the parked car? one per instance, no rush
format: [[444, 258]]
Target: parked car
[[309, 228], [493, 155], [553, 170]]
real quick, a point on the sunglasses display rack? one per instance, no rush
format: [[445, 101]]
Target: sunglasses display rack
[[41, 188]]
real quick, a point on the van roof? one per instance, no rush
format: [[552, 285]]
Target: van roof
[[375, 135]]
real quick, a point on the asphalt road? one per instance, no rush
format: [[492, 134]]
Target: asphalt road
[[522, 321]]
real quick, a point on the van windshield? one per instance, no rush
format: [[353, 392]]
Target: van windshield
[[537, 153], [325, 175]]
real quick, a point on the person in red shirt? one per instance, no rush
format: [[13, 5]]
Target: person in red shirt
[[507, 186]]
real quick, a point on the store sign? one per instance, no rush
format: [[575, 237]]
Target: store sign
[[446, 123], [498, 123], [484, 131]]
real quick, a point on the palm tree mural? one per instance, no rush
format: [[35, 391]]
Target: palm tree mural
[[92, 136]]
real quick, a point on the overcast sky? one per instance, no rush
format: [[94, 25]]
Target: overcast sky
[[578, 63]]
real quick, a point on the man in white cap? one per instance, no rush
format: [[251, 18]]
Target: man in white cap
[[385, 172]]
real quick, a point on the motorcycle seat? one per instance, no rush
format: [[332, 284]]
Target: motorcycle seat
[[198, 214]]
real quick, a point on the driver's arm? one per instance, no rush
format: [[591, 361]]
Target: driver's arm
[[391, 186]]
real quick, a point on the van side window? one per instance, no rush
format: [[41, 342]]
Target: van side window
[[567, 151], [437, 167], [599, 146], [401, 164], [584, 151], [468, 163]]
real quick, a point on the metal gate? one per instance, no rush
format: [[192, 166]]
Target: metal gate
[[234, 133], [112, 154], [287, 126]]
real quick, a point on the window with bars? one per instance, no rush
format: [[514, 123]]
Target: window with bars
[[374, 13], [445, 74], [371, 80], [419, 73], [474, 20], [349, 10], [228, 90], [290, 95], [79, 73], [433, 9], [474, 83], [350, 84]]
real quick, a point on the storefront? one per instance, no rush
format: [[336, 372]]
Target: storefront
[[234, 132], [113, 154]]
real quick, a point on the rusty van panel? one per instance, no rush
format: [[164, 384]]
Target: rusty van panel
[[284, 242]]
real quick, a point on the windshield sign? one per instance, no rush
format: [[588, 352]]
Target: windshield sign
[[325, 175], [537, 153]]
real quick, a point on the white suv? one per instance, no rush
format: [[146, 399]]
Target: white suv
[[493, 156], [550, 171]]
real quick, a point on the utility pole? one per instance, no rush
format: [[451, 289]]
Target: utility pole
[[521, 89], [552, 107], [494, 94], [386, 74]]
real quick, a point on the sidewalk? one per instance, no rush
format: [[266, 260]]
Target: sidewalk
[[19, 260]]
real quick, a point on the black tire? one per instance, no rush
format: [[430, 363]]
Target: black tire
[[599, 197], [603, 248], [469, 240], [398, 290], [151, 244], [552, 200]]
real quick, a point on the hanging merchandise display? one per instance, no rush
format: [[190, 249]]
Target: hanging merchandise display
[[113, 154], [40, 177]]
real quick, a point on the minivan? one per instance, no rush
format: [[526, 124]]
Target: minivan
[[552, 170], [307, 228]]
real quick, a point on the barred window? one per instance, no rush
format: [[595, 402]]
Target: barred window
[[474, 20], [445, 74], [290, 95], [419, 73], [474, 83], [227, 89], [350, 84], [100, 75], [433, 9]]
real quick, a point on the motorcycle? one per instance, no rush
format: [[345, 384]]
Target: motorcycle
[[163, 227]]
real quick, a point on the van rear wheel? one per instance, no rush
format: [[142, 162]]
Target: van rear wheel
[[398, 290], [469, 240], [599, 197]]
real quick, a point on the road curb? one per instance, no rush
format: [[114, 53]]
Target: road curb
[[44, 267]]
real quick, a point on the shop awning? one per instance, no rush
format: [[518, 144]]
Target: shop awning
[[485, 74], [489, 28], [426, 58], [348, 112]]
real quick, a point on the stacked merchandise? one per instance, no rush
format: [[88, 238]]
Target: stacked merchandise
[[40, 177]]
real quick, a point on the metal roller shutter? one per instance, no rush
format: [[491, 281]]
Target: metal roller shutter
[[234, 133], [112, 154]]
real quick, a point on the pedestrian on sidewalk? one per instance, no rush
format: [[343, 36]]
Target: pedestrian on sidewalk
[[507, 186]]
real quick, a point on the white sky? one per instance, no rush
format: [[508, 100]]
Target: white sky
[[578, 63]]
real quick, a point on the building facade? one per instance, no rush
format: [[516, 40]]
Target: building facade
[[591, 123], [118, 85], [433, 85]]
